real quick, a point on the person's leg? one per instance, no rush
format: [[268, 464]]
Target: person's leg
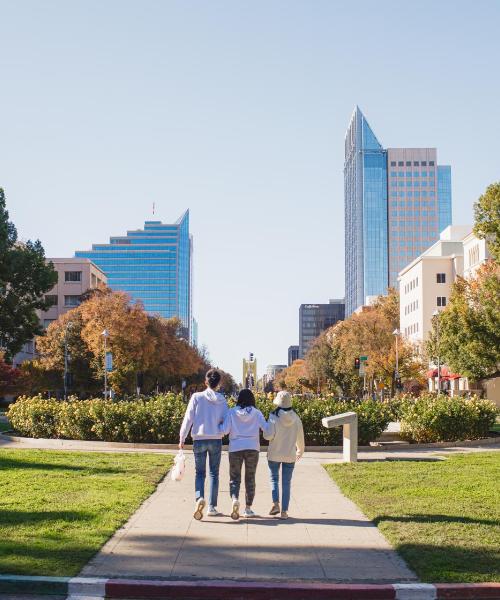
[[214, 456], [287, 472], [235, 464], [251, 461], [200, 464], [274, 477]]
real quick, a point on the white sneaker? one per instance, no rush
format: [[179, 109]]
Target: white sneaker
[[248, 513], [198, 513], [235, 510], [284, 514], [213, 512]]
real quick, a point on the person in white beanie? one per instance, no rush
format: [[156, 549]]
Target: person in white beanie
[[286, 446]]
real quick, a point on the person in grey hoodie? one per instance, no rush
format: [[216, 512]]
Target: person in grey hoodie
[[286, 446], [243, 423], [205, 412]]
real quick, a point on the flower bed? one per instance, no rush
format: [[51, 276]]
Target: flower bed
[[158, 419]]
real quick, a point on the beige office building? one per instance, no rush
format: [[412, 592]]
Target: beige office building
[[75, 276]]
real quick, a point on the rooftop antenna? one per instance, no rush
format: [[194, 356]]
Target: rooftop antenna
[[153, 208]]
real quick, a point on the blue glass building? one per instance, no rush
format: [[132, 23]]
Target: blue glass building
[[153, 265], [397, 201]]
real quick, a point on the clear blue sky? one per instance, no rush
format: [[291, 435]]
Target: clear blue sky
[[237, 111]]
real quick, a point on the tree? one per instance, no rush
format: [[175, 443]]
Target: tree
[[487, 217], [295, 377], [469, 326], [24, 279], [10, 378]]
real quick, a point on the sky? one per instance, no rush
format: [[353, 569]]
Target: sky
[[236, 110]]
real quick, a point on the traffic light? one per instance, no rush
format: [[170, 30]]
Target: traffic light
[[356, 363]]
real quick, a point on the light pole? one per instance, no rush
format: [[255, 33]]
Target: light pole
[[66, 358], [396, 333], [105, 335], [436, 315]]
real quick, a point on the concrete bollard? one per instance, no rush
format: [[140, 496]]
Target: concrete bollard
[[349, 422]]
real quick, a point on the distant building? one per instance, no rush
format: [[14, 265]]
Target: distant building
[[273, 370], [425, 284], [293, 354], [315, 318], [397, 200], [75, 276], [153, 265]]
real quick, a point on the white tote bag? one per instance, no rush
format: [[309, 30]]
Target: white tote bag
[[177, 473]]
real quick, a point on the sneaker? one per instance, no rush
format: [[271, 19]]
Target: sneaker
[[198, 513], [235, 510], [284, 514], [275, 509], [248, 513], [213, 512]]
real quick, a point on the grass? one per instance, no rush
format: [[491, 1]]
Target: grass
[[58, 508], [495, 427], [4, 426], [442, 516]]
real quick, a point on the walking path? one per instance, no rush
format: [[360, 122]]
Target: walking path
[[328, 538]]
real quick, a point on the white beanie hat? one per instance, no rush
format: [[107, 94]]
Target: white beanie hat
[[283, 400]]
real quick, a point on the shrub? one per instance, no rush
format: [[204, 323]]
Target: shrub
[[158, 419], [433, 418]]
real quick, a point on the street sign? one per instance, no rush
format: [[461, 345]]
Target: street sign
[[363, 358]]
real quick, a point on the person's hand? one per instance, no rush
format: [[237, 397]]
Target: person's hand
[[298, 457], [181, 445]]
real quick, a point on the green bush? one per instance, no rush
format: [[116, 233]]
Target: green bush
[[433, 418], [158, 419]]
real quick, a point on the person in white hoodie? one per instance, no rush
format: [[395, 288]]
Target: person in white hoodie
[[205, 412], [286, 446], [243, 424]]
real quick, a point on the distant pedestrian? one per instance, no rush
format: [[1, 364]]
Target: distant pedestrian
[[205, 412], [286, 446], [243, 424]]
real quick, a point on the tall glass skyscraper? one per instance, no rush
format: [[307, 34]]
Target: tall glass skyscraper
[[397, 200], [153, 265]]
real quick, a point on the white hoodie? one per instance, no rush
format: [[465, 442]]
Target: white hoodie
[[243, 426], [205, 411], [286, 438]]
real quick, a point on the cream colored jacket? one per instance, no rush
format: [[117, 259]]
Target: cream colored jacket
[[286, 437]]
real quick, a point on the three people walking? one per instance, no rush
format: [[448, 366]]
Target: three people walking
[[209, 419]]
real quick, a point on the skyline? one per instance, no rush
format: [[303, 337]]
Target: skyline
[[111, 108]]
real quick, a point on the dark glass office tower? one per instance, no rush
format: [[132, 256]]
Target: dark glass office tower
[[153, 265], [315, 318]]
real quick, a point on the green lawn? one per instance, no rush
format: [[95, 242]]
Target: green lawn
[[58, 508], [443, 516], [495, 427], [4, 426]]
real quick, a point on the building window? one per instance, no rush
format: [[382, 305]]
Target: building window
[[393, 163], [441, 300], [51, 299], [72, 276], [423, 163], [431, 163], [72, 300], [47, 322], [401, 163], [408, 163], [440, 277]]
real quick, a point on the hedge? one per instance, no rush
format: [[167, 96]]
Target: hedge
[[158, 419], [433, 418]]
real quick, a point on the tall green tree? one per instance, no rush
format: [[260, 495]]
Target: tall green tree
[[487, 216], [24, 279]]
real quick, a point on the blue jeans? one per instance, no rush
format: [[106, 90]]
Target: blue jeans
[[214, 450], [274, 473]]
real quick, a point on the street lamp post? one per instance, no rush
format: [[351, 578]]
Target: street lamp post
[[396, 334], [105, 335], [436, 314]]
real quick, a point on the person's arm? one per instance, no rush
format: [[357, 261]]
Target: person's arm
[[187, 422], [300, 440], [266, 427], [225, 426], [270, 430]]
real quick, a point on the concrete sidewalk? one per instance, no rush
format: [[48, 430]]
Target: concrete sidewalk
[[328, 538]]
